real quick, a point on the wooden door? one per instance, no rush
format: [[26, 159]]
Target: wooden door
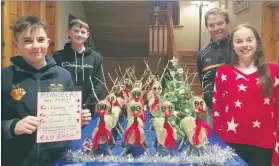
[[270, 30], [276, 38], [12, 11]]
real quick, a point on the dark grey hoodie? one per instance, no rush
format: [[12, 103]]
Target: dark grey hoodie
[[82, 66], [21, 150]]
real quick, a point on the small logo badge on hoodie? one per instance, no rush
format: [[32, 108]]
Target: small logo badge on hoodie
[[17, 93]]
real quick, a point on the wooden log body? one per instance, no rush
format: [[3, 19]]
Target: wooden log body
[[150, 103], [188, 126], [160, 131], [110, 124], [131, 136], [109, 119]]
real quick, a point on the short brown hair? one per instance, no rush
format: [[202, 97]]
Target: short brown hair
[[78, 23], [28, 22], [217, 11]]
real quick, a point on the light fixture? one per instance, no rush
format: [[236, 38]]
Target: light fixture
[[200, 3]]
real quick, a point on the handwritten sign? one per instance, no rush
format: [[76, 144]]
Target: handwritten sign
[[60, 117]]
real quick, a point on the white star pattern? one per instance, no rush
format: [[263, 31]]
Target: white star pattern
[[232, 126], [227, 107], [214, 100], [267, 101], [216, 114], [241, 88], [256, 124], [238, 76], [257, 81], [276, 82], [174, 61], [223, 94], [214, 88], [238, 104], [216, 75], [276, 147], [224, 77]]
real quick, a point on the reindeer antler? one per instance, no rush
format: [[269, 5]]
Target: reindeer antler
[[144, 74], [193, 78], [164, 71], [116, 73], [104, 83], [94, 93], [146, 64], [158, 65]]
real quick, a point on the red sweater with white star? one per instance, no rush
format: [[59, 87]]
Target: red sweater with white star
[[241, 113]]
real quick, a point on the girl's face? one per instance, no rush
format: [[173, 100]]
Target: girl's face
[[245, 44]]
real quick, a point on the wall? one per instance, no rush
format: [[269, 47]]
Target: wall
[[252, 15], [187, 37], [64, 9]]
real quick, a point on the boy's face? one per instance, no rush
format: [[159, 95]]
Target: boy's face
[[33, 45], [78, 35]]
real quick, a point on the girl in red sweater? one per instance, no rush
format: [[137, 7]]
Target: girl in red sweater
[[245, 106]]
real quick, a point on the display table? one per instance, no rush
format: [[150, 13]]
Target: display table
[[150, 137]]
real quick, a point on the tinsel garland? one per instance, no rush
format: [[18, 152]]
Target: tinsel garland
[[213, 155]]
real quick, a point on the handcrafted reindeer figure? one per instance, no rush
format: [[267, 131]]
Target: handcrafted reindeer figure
[[102, 133], [156, 90], [125, 93], [134, 135], [116, 106], [197, 133], [137, 97], [153, 100], [198, 104], [199, 107], [165, 133]]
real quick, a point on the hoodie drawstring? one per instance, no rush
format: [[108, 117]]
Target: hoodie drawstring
[[76, 65], [81, 66]]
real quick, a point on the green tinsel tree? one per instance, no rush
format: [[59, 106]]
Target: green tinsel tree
[[178, 92]]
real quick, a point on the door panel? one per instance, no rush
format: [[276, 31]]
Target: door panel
[[12, 11]]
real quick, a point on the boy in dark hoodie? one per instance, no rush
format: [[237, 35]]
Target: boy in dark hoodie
[[20, 83], [82, 62]]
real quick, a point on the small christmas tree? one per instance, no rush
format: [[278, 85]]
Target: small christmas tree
[[178, 91]]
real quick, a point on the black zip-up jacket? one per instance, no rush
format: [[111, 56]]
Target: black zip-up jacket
[[209, 59], [22, 149], [82, 66]]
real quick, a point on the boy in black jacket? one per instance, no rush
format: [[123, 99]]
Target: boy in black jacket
[[20, 82], [82, 62]]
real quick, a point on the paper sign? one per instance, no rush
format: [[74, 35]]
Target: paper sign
[[60, 117]]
